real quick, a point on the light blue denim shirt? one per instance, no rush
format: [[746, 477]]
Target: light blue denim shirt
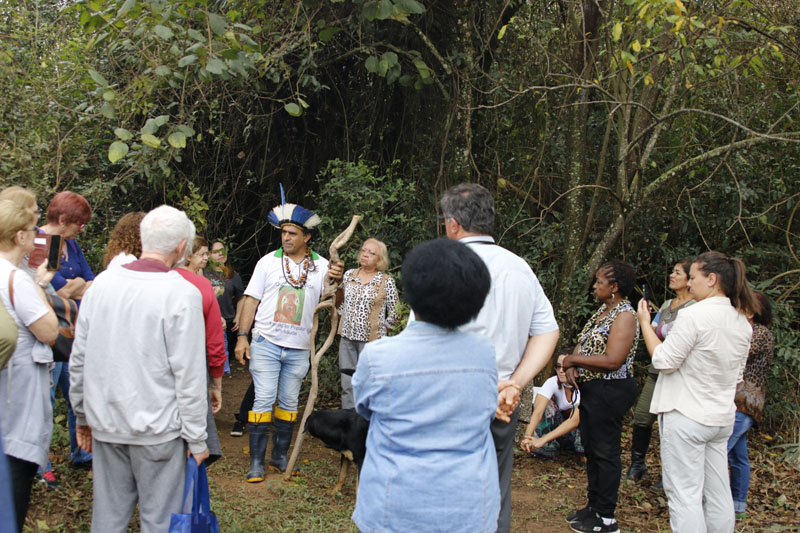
[[430, 395]]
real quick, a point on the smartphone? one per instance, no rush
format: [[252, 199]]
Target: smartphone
[[54, 253], [644, 292], [46, 248]]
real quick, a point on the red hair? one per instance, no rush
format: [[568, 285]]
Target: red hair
[[71, 205]]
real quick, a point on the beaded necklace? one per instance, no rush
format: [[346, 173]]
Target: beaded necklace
[[304, 268]]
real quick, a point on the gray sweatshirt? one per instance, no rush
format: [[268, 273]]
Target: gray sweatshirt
[[138, 363]]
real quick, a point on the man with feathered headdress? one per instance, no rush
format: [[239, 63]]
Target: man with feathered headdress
[[279, 304]]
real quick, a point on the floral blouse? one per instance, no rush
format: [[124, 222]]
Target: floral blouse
[[592, 341], [367, 310], [751, 393]]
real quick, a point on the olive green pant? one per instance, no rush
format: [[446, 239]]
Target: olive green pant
[[641, 413]]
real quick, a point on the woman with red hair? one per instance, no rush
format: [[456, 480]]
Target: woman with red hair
[[67, 215]]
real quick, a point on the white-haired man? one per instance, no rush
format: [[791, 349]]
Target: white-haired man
[[138, 379]]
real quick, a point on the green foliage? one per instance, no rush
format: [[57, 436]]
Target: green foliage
[[391, 208]]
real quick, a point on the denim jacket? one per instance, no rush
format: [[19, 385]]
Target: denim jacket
[[430, 395]]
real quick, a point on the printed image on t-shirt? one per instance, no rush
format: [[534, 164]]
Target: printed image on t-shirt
[[289, 308]]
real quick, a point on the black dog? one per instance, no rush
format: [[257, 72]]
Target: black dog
[[342, 430]]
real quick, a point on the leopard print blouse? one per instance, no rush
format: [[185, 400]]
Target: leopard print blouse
[[367, 310], [592, 341], [751, 393]]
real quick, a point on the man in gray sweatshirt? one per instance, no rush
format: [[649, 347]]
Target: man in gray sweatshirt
[[138, 379]]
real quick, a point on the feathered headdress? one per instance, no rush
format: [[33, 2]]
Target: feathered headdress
[[292, 214]]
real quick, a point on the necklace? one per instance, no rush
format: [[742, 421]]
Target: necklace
[[304, 267]]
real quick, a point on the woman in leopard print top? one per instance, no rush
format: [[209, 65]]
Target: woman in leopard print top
[[367, 309], [750, 396], [605, 352]]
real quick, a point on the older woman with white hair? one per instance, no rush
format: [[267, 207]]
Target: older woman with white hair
[[26, 419], [367, 309]]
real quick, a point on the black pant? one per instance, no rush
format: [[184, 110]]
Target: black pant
[[603, 404], [22, 474], [247, 403]]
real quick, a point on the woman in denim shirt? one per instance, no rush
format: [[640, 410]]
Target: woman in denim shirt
[[430, 394]]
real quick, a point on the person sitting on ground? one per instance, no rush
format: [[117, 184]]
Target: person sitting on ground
[[430, 394], [557, 402], [124, 246]]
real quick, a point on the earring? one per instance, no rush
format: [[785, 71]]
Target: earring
[[613, 296]]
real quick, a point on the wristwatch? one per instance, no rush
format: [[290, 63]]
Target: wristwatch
[[242, 334]]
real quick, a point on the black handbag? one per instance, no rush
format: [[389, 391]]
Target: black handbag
[[66, 310]]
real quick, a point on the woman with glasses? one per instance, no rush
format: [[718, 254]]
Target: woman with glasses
[[26, 417], [229, 288], [605, 352], [557, 401], [214, 335], [699, 364], [67, 215]]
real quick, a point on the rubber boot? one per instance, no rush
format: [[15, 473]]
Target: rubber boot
[[259, 437], [283, 426], [639, 445]]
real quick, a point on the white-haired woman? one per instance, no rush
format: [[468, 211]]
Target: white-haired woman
[[368, 309], [26, 418]]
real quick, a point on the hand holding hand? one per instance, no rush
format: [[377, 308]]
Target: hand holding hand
[[530, 443], [507, 400]]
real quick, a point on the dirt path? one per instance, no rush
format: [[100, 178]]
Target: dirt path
[[543, 491]]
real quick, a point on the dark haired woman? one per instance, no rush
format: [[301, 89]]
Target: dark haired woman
[[560, 425], [125, 243], [700, 362], [430, 394], [605, 352], [749, 399], [229, 289], [643, 419]]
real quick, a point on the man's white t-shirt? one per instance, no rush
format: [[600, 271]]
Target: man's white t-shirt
[[285, 313]]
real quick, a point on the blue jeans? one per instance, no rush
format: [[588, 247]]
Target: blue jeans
[[738, 461], [61, 379], [277, 372]]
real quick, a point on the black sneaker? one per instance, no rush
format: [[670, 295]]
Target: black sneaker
[[594, 524], [238, 429], [581, 514], [49, 479]]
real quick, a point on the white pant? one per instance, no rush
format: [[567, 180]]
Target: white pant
[[694, 467]]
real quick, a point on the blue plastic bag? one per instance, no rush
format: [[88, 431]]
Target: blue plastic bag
[[201, 519]]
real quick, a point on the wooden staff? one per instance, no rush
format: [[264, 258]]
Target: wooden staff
[[326, 302]]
